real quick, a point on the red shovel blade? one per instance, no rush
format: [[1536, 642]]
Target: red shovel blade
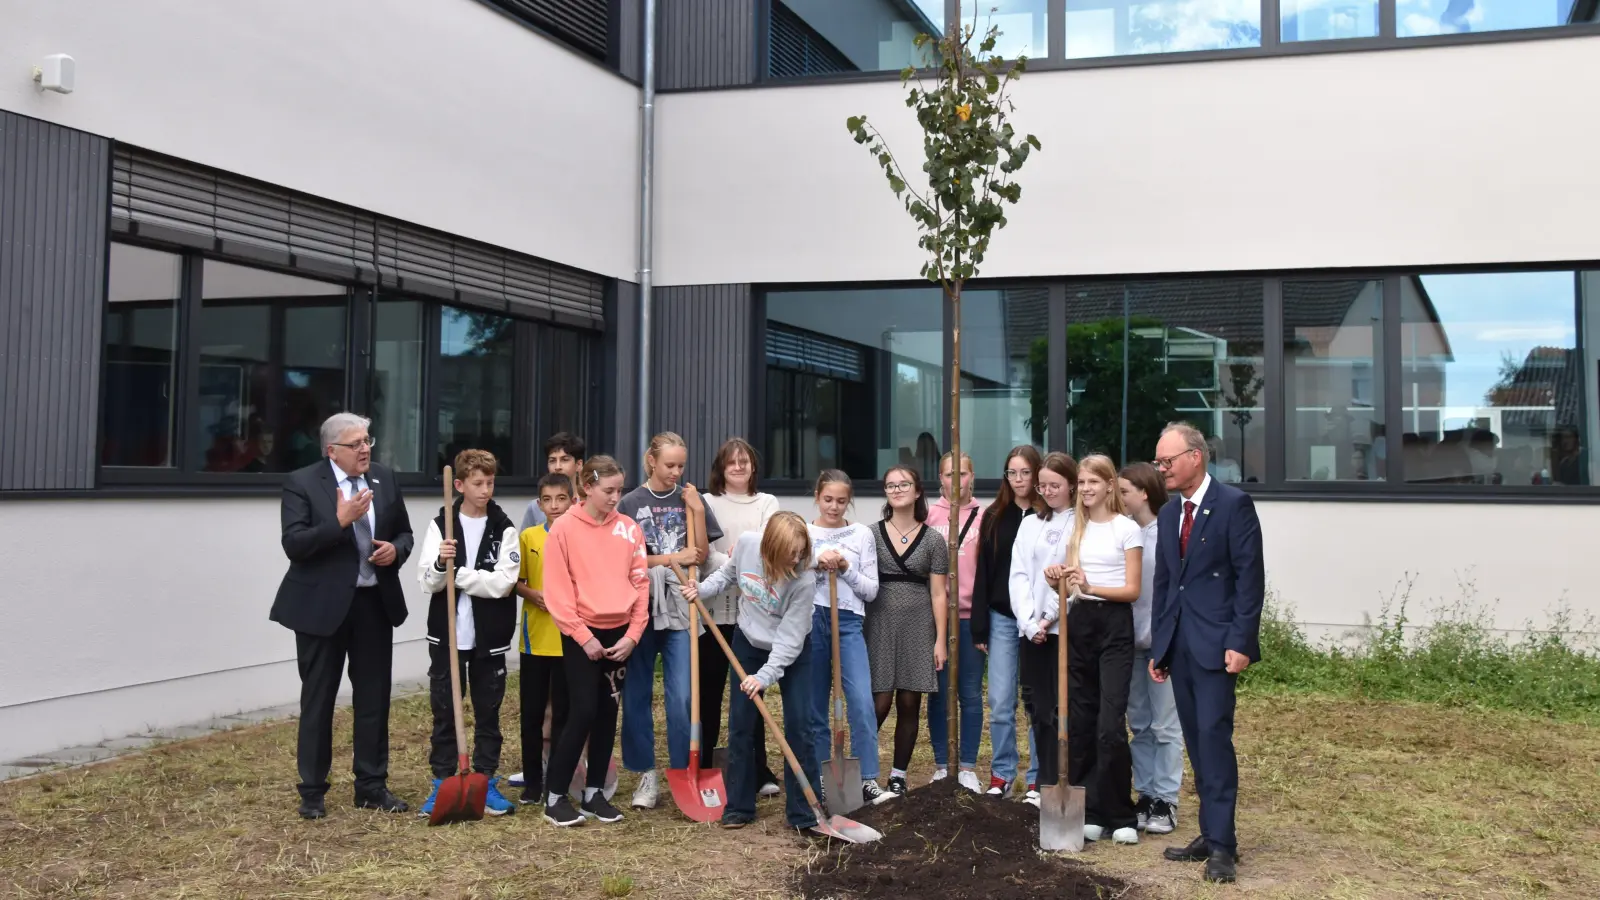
[[460, 799], [699, 793]]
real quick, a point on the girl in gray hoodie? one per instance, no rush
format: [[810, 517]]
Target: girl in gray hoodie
[[774, 590]]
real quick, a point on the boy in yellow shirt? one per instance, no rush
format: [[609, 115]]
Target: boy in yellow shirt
[[543, 679]]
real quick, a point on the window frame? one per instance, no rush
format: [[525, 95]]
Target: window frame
[[1272, 44], [1275, 484], [362, 296]]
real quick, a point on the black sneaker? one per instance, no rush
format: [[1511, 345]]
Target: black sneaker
[[1163, 818], [533, 794], [598, 807], [1142, 811], [561, 814], [897, 786], [874, 795]]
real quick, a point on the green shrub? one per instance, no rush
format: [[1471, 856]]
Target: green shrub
[[1457, 659]]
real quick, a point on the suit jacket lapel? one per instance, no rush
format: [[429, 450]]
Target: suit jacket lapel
[[1202, 516], [330, 486]]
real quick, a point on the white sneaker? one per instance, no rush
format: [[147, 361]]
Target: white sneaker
[[1032, 799], [969, 780], [645, 795], [1093, 832], [770, 789], [515, 780], [939, 775], [1123, 835]]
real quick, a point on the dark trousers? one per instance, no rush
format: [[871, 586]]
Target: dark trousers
[[713, 682], [743, 776], [484, 680], [366, 639], [543, 682], [593, 687], [1099, 672], [1205, 702], [1038, 674]]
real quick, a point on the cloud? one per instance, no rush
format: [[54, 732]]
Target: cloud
[[1195, 25]]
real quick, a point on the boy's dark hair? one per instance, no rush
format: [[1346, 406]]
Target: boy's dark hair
[[565, 440], [556, 480]]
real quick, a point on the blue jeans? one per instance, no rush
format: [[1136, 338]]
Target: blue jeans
[[638, 696], [1005, 650], [857, 676], [970, 693], [744, 769], [1157, 735]]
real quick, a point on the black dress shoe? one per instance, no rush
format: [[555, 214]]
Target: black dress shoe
[[1199, 850], [381, 800], [1221, 867], [313, 809]]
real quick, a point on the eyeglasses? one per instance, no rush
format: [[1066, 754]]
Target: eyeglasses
[[1165, 462], [1053, 488], [1014, 474], [357, 445], [896, 487]]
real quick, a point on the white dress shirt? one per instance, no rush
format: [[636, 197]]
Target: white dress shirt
[[346, 491]]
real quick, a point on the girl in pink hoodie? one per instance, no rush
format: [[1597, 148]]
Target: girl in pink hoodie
[[598, 593]]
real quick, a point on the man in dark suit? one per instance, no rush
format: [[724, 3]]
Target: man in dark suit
[[346, 533], [1210, 585]]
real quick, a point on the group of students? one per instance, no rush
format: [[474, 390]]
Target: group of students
[[598, 574]]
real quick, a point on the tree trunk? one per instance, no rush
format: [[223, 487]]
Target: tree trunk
[[953, 593]]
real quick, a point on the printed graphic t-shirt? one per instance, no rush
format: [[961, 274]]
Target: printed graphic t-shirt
[[663, 519]]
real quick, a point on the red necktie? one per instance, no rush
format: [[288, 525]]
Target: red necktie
[[1188, 524]]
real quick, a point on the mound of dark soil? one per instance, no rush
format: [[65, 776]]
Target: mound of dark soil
[[944, 841]]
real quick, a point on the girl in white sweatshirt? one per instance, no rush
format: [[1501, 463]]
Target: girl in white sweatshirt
[[1042, 544]]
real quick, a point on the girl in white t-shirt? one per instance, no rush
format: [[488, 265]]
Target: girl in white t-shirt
[[1105, 559]]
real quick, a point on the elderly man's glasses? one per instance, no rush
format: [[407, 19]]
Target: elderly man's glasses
[[357, 445], [1165, 462]]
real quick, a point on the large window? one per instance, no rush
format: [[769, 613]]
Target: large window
[[227, 369], [1498, 378], [1333, 391], [1142, 354], [1004, 374], [1424, 17], [1126, 27], [475, 374], [855, 381], [272, 367], [1322, 20], [818, 37], [141, 341]]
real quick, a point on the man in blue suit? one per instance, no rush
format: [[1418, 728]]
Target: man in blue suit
[[1210, 585]]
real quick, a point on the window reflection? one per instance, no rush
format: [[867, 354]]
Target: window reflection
[[814, 37], [1005, 354], [272, 367], [141, 339], [1332, 342], [1022, 23], [855, 380], [1414, 18], [1126, 27], [1168, 350], [398, 354], [475, 386], [1494, 380], [1323, 20]]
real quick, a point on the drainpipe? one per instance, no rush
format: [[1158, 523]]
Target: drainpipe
[[647, 150]]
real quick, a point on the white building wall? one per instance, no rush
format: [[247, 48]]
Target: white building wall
[[1402, 157], [443, 113]]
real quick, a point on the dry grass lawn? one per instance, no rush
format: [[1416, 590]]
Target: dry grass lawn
[[1341, 799]]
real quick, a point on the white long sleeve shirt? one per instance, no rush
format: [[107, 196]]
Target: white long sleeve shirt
[[858, 584], [1039, 544], [470, 580]]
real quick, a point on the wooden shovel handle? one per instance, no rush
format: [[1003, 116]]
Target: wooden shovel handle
[[450, 626]]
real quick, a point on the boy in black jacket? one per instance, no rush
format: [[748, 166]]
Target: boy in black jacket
[[487, 567]]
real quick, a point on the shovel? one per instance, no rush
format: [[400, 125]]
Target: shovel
[[841, 777], [461, 796], [699, 793], [847, 830], [1061, 805]]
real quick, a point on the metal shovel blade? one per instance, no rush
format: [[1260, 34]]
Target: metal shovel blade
[[1061, 817], [848, 830], [699, 793], [460, 798], [719, 758], [841, 785]]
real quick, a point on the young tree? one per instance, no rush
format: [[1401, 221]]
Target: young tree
[[971, 156]]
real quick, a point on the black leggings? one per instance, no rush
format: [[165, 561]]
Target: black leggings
[[592, 690], [544, 681], [908, 713]]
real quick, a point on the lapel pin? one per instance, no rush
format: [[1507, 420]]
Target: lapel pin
[[1205, 512], [373, 480]]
